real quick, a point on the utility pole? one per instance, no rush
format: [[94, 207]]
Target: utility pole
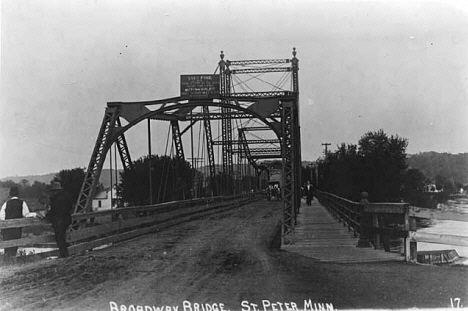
[[326, 152], [326, 148]]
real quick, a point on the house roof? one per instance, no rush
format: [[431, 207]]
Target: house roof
[[101, 195]]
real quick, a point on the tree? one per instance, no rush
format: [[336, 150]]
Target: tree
[[308, 174], [340, 172], [384, 162], [414, 180], [71, 180], [171, 179], [37, 190], [24, 183], [7, 184], [376, 165]]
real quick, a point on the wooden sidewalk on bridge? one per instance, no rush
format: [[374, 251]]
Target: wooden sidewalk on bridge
[[319, 235]]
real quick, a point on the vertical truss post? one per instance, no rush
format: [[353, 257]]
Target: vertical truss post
[[226, 123], [288, 186], [226, 133], [291, 153], [295, 72], [296, 130], [150, 166], [103, 143], [239, 162], [209, 147], [176, 137], [227, 92]]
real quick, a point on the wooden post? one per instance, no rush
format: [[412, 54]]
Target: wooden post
[[413, 243], [407, 247], [375, 226], [411, 248], [366, 223]]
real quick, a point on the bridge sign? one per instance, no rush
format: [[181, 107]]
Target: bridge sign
[[199, 86]]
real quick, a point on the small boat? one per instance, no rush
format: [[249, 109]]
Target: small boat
[[438, 257]]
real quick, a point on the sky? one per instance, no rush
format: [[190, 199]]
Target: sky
[[400, 66]]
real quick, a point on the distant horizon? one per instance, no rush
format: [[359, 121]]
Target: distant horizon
[[120, 169]]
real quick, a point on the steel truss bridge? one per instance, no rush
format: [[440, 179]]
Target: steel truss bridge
[[253, 124]]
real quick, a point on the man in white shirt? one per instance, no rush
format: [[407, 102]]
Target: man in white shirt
[[12, 209]]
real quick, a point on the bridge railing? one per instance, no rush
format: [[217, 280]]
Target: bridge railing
[[110, 226], [376, 224], [381, 223], [346, 211]]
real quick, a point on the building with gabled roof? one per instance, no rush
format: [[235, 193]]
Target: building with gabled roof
[[105, 199]]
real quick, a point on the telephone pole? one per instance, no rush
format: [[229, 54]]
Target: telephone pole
[[326, 147]]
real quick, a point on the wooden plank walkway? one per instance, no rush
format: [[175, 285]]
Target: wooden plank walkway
[[320, 236]]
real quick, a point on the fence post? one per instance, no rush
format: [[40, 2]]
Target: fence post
[[365, 224], [411, 247], [413, 244], [376, 225]]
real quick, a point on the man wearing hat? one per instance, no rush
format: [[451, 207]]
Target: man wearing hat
[[12, 209], [309, 193], [60, 216]]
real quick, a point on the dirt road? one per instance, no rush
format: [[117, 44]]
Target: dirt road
[[222, 262]]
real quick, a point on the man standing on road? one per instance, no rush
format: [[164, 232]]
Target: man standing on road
[[12, 209], [309, 192], [60, 216]]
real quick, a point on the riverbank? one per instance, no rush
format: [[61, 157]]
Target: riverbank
[[455, 204], [223, 259]]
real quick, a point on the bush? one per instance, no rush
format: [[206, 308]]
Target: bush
[[426, 199]]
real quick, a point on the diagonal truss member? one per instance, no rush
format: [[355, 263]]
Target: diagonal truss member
[[209, 146], [110, 123], [177, 138]]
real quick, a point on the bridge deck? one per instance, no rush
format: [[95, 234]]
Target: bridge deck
[[320, 236]]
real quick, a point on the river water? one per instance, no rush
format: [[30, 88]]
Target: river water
[[449, 227]]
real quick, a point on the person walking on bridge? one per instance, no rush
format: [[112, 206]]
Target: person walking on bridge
[[309, 193], [60, 216], [14, 208]]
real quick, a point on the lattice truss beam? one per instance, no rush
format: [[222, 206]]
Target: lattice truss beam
[[175, 111]]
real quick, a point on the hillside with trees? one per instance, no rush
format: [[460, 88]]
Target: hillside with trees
[[448, 171], [104, 179]]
